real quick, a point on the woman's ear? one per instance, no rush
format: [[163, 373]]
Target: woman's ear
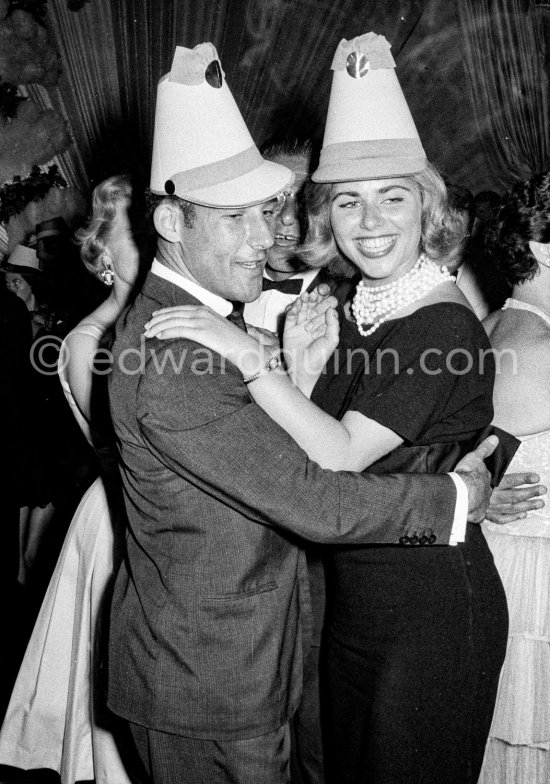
[[541, 251], [167, 218]]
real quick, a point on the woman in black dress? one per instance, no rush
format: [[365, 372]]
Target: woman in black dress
[[416, 634]]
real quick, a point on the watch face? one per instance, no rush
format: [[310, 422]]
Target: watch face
[[273, 363]]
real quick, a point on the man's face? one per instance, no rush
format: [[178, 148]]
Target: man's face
[[17, 283], [226, 249], [288, 225]]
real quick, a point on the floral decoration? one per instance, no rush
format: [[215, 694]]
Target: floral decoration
[[15, 195]]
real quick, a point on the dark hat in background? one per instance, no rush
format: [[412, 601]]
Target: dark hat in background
[[51, 228]]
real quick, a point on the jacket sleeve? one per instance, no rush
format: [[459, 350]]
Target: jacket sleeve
[[205, 428]]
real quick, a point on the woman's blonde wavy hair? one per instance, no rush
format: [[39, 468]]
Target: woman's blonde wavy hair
[[107, 198], [443, 230]]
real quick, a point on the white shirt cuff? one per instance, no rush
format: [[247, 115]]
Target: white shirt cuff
[[458, 531]]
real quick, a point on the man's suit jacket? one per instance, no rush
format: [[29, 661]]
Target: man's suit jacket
[[208, 613]]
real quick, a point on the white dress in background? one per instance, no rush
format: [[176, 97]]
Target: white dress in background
[[51, 720], [518, 749]]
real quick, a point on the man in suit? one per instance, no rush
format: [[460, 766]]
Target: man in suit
[[210, 608], [285, 275]]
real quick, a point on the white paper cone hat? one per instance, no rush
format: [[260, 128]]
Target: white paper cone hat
[[22, 259], [370, 132], [202, 149]]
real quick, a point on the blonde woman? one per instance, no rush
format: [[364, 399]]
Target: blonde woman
[[56, 717]]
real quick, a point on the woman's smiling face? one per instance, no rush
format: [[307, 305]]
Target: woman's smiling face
[[377, 225]]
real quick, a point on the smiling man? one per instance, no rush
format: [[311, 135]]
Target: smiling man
[[285, 275], [210, 608]]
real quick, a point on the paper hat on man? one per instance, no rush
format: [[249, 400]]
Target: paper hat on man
[[202, 149], [22, 259], [370, 132]]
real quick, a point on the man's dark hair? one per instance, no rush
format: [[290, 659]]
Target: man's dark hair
[[188, 208], [276, 147]]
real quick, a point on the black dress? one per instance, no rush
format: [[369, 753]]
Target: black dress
[[415, 636]]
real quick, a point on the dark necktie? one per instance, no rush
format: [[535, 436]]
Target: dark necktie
[[288, 286], [236, 315]]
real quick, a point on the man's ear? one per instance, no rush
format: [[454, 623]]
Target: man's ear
[[168, 220], [541, 251]]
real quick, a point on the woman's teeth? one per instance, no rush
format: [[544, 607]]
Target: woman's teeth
[[377, 244]]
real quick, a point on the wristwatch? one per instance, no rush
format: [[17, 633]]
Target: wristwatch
[[273, 364]]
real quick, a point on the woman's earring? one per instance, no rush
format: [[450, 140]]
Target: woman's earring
[[107, 276]]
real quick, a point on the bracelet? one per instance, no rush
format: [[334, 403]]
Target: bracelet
[[273, 364]]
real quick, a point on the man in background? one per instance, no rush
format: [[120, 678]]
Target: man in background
[[285, 275]]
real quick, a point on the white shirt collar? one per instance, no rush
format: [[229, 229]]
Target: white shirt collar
[[218, 304]]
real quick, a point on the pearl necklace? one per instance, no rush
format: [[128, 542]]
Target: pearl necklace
[[377, 304]]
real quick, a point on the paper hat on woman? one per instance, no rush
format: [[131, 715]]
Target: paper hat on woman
[[22, 259], [370, 132], [202, 149]]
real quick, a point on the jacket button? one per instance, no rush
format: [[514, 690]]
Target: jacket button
[[414, 539], [424, 539], [432, 539], [404, 540]]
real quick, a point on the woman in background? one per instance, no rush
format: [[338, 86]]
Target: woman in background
[[518, 244], [57, 717]]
